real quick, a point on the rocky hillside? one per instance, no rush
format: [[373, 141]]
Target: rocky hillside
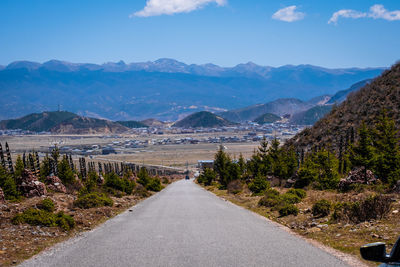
[[202, 119], [310, 116], [38, 122], [133, 124], [153, 123], [62, 122], [85, 125], [340, 96], [278, 107], [267, 118], [364, 105]]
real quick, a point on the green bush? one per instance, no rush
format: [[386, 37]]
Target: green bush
[[288, 209], [44, 218], [112, 180], [207, 177], [92, 200], [259, 185], [8, 185], [321, 208], [154, 185], [47, 205], [298, 192], [269, 201], [290, 198], [371, 207], [143, 177], [64, 221]]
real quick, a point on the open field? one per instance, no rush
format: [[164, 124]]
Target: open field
[[174, 155]]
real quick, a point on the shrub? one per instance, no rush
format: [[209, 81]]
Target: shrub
[[269, 201], [298, 192], [92, 200], [112, 180], [235, 187], [141, 191], [259, 185], [8, 185], [143, 177], [154, 185], [207, 177], [305, 177], [288, 209], [64, 221], [46, 204], [372, 207], [321, 208], [44, 218], [165, 180], [290, 198]]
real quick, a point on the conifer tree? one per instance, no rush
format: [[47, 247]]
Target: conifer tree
[[19, 167], [221, 166], [64, 171], [386, 142], [363, 152]]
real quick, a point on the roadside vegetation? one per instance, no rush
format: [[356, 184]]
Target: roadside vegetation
[[47, 201], [343, 199]]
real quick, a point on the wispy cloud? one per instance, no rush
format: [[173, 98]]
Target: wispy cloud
[[288, 14], [375, 12], [170, 7]]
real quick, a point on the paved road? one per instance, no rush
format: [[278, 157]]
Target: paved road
[[184, 225]]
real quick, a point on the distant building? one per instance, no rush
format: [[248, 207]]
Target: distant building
[[203, 164]]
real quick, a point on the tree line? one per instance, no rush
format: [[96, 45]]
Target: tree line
[[375, 148]]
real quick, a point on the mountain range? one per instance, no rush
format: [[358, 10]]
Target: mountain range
[[164, 89]]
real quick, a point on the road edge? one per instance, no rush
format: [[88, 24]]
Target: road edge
[[348, 259]]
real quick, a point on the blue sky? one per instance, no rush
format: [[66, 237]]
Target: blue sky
[[225, 32]]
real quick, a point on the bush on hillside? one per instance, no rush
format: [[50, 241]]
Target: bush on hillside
[[298, 192], [372, 207], [44, 218], [154, 185], [47, 205], [92, 200], [288, 209], [259, 185], [112, 180], [321, 208]]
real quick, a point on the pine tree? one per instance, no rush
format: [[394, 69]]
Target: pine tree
[[19, 167], [242, 164], [143, 177], [386, 141], [64, 171], [364, 152], [221, 166], [45, 168]]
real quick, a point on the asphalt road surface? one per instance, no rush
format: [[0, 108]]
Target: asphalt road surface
[[184, 225]]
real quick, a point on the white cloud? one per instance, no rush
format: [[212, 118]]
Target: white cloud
[[375, 12], [346, 13], [379, 12], [288, 14], [169, 7]]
